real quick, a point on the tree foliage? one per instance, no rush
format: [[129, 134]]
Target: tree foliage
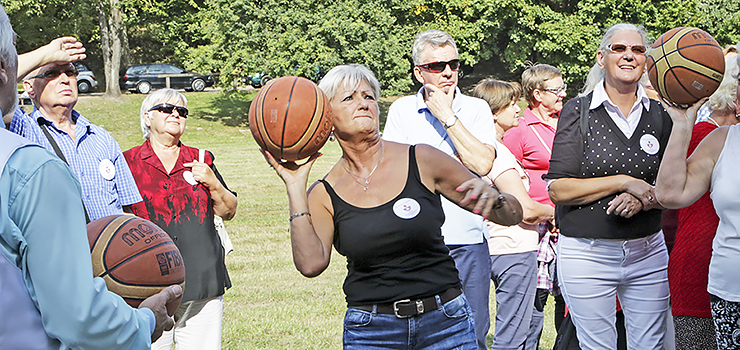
[[306, 37]]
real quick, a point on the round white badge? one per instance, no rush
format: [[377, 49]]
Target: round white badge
[[107, 169], [649, 144], [406, 208], [188, 175]]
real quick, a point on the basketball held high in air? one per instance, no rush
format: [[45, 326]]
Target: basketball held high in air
[[685, 65]]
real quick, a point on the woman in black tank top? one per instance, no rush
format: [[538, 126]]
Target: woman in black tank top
[[380, 207]]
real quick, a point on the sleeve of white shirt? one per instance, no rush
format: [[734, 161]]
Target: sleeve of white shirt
[[483, 126], [393, 130]]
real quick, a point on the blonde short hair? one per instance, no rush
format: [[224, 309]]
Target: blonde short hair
[[497, 93], [534, 78]]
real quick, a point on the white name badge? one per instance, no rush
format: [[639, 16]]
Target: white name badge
[[649, 144], [188, 175], [107, 169], [406, 208]]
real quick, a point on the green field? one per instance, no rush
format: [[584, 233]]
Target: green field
[[270, 306]]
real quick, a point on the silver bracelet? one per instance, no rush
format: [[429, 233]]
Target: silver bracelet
[[298, 215]]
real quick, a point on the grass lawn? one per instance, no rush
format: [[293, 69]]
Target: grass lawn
[[270, 306]]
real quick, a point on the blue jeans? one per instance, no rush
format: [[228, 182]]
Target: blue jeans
[[473, 263], [451, 326], [515, 278]]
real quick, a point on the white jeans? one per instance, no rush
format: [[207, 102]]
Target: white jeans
[[593, 272], [197, 326]]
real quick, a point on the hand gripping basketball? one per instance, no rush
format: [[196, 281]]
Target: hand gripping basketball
[[163, 304]]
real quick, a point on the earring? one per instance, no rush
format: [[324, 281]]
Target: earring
[[331, 137]]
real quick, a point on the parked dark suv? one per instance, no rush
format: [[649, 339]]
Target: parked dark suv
[[142, 78]]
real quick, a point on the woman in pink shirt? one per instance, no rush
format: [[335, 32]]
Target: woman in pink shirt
[[531, 144]]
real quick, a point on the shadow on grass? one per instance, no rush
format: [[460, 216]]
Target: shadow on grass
[[231, 108]]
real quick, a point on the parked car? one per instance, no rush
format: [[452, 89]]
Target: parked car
[[86, 81], [257, 80], [142, 78]]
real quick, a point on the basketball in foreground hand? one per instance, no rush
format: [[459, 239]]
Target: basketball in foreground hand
[[291, 118], [135, 257], [685, 65]]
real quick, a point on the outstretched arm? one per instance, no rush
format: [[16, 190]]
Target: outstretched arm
[[682, 181], [65, 49]]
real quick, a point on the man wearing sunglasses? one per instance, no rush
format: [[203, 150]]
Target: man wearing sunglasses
[[108, 187], [461, 126]]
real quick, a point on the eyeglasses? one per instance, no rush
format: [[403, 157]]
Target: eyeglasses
[[440, 66], [53, 74], [168, 108], [621, 48], [557, 91]]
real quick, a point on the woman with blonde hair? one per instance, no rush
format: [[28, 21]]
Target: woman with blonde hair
[[513, 249]]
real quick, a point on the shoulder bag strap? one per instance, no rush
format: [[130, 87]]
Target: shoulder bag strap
[[59, 153]]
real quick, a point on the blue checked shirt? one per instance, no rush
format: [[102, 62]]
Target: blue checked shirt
[[92, 145]]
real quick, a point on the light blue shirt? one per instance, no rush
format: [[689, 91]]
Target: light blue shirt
[[410, 121], [43, 233], [91, 147]]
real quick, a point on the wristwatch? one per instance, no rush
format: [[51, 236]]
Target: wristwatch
[[450, 121]]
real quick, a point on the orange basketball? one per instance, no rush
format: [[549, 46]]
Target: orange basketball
[[291, 118], [685, 64], [135, 257]]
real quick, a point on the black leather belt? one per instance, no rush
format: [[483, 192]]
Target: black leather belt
[[407, 307]]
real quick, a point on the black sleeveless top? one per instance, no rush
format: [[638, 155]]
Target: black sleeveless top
[[394, 251]]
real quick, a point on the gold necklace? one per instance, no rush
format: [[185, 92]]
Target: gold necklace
[[713, 121], [367, 179]]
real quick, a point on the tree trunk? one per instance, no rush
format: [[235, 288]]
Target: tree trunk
[[112, 31]]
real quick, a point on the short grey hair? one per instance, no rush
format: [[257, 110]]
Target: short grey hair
[[351, 75], [153, 99], [596, 73], [724, 98], [7, 39], [434, 38]]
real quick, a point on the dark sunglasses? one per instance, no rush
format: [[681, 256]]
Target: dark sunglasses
[[440, 66], [621, 48], [168, 108], [53, 74]]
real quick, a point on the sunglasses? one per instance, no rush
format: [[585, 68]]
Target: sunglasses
[[557, 91], [53, 74], [440, 66], [621, 48], [167, 108]]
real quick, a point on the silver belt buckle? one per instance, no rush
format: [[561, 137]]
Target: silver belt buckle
[[395, 307]]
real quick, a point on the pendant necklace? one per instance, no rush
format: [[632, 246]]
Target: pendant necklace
[[367, 179], [713, 121]]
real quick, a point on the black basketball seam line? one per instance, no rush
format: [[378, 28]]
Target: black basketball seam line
[[285, 118], [109, 270], [670, 70], [261, 113], [313, 117], [97, 238], [308, 127]]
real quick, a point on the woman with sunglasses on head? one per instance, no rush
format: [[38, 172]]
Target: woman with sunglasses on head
[[380, 206], [605, 159], [531, 144], [182, 191]]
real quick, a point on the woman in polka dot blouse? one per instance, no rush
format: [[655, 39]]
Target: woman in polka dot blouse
[[605, 158]]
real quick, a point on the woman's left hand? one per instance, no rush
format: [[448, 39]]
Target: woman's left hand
[[624, 205], [202, 173]]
